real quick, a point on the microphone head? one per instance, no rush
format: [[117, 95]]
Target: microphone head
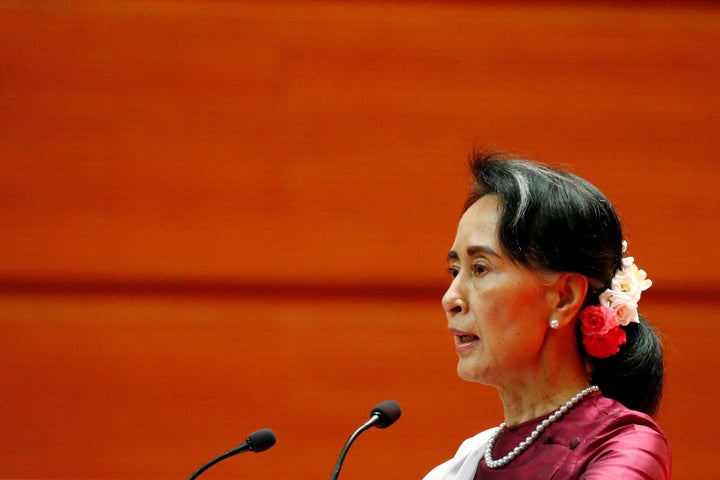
[[261, 440], [387, 412]]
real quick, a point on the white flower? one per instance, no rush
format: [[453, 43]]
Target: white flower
[[625, 289]]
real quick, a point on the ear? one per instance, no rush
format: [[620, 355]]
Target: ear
[[570, 291]]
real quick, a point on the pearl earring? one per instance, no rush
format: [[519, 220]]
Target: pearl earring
[[554, 323]]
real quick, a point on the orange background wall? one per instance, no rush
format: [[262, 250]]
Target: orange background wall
[[222, 216]]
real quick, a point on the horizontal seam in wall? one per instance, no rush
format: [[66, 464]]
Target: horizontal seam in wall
[[238, 288]]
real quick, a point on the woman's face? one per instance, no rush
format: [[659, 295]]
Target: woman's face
[[497, 311]]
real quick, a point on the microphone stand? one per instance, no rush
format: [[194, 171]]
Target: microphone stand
[[373, 420], [215, 460]]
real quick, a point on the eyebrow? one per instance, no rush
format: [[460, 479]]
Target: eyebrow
[[472, 251]]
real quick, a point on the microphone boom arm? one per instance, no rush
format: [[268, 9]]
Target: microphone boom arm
[[219, 458], [373, 420], [257, 442]]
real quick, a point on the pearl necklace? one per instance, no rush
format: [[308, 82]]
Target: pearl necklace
[[530, 439]]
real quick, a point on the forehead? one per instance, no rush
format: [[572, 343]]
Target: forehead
[[478, 225]]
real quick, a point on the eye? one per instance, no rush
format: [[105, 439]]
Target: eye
[[479, 269], [453, 271]]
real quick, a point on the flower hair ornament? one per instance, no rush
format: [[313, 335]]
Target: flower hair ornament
[[600, 324]]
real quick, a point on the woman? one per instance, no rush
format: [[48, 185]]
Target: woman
[[543, 307]]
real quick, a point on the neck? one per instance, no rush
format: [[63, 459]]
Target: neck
[[542, 392], [556, 374], [519, 408]]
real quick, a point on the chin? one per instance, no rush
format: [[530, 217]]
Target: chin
[[469, 374]]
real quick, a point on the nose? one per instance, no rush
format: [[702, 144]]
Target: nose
[[453, 302]]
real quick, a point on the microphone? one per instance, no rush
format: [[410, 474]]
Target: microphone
[[256, 442], [382, 416]]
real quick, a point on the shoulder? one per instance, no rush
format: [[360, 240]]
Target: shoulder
[[624, 441], [615, 420]]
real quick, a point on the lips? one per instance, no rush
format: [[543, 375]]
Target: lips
[[463, 340]]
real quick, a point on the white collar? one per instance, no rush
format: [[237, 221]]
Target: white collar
[[465, 462]]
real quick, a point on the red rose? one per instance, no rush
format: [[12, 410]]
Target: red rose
[[605, 345], [597, 320]]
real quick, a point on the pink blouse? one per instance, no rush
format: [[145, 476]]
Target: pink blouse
[[597, 439]]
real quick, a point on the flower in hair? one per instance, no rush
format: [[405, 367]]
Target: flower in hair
[[597, 320], [600, 324], [624, 292], [602, 335]]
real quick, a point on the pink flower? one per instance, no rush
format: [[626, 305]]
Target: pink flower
[[605, 345], [597, 320], [625, 307]]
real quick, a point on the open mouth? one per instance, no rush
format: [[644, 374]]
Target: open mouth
[[467, 338], [463, 338]]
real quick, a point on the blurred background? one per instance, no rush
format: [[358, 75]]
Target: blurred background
[[222, 216]]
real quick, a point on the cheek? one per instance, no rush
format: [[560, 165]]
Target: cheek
[[506, 303], [528, 299], [515, 315]]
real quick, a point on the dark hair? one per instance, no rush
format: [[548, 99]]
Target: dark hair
[[555, 221]]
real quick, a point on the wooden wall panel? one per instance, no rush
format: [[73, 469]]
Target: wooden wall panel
[[152, 387], [219, 216], [186, 139]]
